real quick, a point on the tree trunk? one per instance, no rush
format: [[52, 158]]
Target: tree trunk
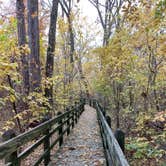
[[71, 54], [20, 8], [33, 33], [51, 49], [131, 97], [151, 87], [71, 40], [106, 22], [118, 108], [116, 93], [82, 77], [67, 8]]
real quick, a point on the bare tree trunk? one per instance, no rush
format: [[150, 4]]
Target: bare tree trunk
[[71, 40], [72, 49], [156, 100], [67, 8], [116, 93], [110, 18], [153, 69], [82, 77], [20, 9], [33, 33], [131, 96], [118, 107], [51, 50], [105, 28]]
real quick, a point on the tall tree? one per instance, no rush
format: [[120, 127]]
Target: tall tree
[[33, 34], [70, 74], [20, 9], [109, 13], [51, 49], [67, 9]]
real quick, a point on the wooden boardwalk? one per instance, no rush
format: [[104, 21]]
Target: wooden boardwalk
[[83, 147]]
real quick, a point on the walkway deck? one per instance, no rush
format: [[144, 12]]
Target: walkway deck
[[83, 147]]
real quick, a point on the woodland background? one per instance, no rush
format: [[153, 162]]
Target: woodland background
[[50, 56]]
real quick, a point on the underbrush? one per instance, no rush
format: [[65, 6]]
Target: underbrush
[[146, 143]]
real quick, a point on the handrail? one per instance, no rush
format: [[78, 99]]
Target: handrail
[[61, 124], [113, 152]]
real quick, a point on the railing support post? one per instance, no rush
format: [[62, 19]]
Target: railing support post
[[82, 107], [103, 111], [68, 122], [79, 110], [76, 113], [94, 103], [108, 119], [120, 137], [73, 112], [46, 147], [7, 135], [60, 130], [83, 101], [90, 102]]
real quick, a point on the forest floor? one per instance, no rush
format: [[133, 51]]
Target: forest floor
[[84, 146]]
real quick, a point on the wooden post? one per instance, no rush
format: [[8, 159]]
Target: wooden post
[[94, 103], [108, 119], [60, 130], [104, 113], [120, 137], [81, 100], [46, 147], [76, 112], [84, 101], [12, 158], [73, 117], [79, 110], [68, 122], [102, 110], [90, 102], [82, 107]]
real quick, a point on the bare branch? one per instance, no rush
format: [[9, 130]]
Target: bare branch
[[63, 8], [96, 4]]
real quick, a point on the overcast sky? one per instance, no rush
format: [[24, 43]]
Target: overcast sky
[[90, 12], [86, 8]]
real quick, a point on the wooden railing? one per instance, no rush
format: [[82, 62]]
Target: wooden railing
[[113, 152], [61, 124]]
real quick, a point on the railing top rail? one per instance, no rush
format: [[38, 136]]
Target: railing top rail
[[16, 142], [116, 148]]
